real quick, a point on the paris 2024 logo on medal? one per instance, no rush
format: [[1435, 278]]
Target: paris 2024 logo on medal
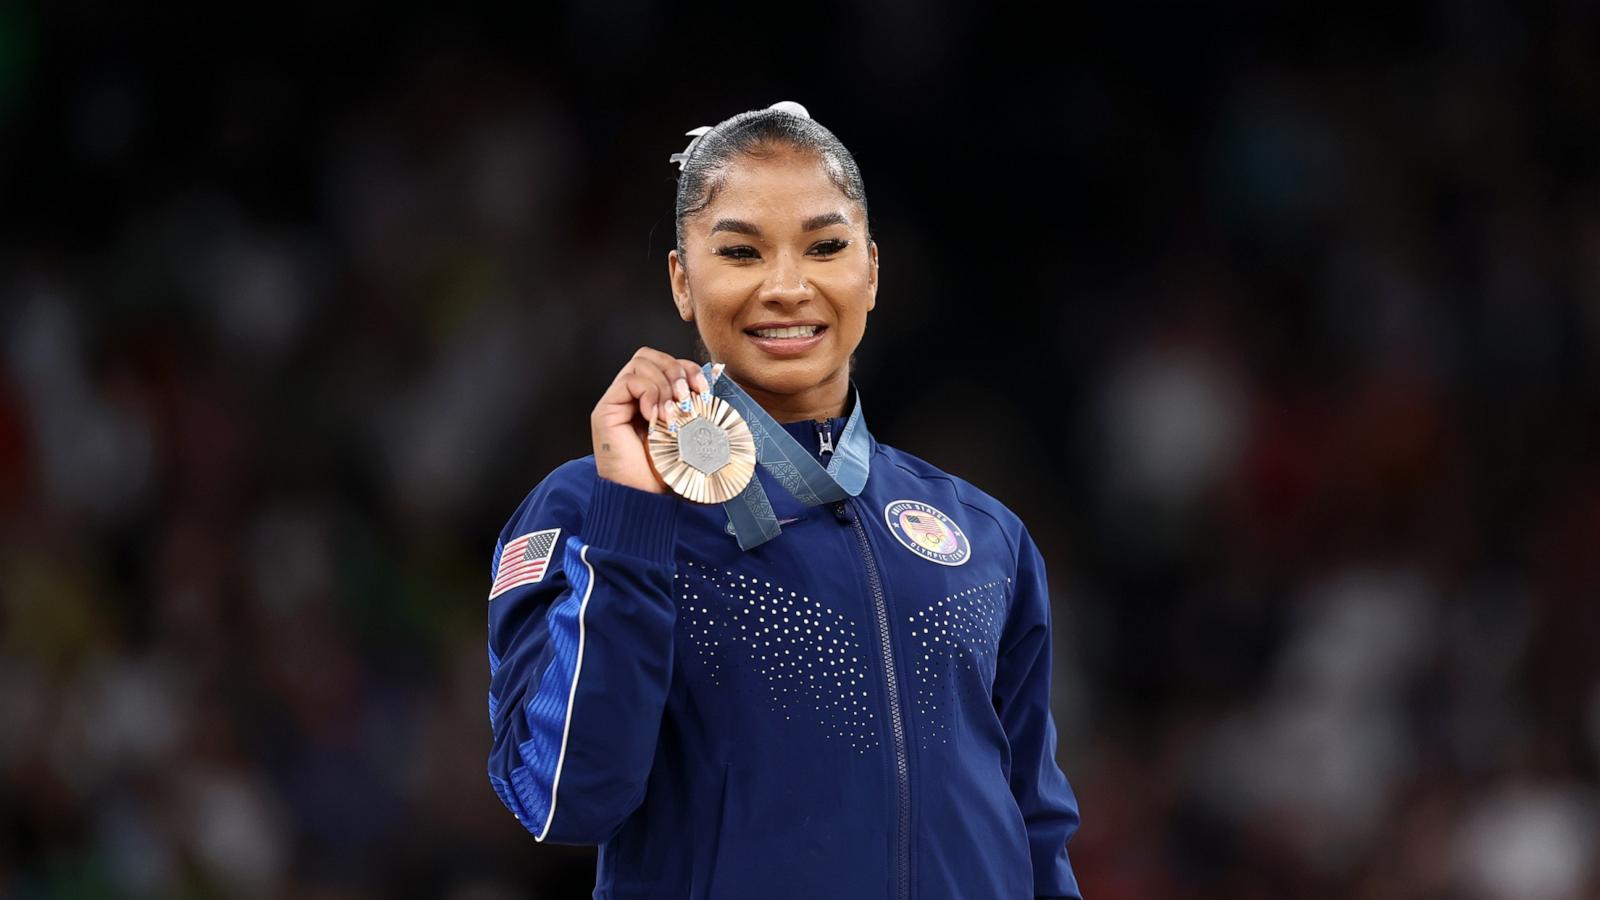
[[927, 532]]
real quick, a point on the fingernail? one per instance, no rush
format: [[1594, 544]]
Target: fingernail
[[685, 405]]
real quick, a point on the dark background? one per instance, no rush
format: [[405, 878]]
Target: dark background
[[1279, 329]]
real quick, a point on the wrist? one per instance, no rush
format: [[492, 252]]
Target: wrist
[[629, 477]]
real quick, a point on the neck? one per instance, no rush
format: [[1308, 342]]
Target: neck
[[825, 400]]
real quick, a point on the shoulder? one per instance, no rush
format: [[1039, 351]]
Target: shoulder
[[559, 499], [970, 496]]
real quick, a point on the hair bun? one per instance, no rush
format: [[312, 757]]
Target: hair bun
[[791, 107]]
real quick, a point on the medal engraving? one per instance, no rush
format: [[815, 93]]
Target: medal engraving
[[703, 445]]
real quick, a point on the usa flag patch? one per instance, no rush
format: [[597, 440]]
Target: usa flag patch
[[524, 560]]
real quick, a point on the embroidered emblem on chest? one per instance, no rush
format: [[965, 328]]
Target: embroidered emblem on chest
[[927, 532]]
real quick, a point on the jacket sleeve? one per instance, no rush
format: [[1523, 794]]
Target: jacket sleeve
[[580, 653], [1022, 699]]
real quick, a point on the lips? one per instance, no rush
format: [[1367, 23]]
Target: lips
[[792, 331], [786, 338]]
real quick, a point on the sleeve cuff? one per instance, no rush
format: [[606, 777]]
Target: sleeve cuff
[[627, 520]]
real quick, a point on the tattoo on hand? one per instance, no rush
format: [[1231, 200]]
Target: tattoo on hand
[[605, 447]]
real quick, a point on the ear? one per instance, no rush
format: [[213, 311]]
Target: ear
[[872, 275], [678, 276]]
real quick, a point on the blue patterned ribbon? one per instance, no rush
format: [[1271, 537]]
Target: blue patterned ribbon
[[750, 514]]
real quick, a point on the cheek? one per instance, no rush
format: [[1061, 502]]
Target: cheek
[[726, 310], [717, 299], [851, 293]]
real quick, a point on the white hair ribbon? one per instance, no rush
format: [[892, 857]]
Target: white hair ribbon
[[681, 158], [786, 106]]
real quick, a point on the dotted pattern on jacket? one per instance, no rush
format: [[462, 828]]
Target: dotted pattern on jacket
[[808, 653], [956, 634]]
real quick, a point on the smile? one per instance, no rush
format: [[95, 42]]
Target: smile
[[791, 331], [787, 339]]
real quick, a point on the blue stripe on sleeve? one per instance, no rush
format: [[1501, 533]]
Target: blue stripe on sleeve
[[549, 713]]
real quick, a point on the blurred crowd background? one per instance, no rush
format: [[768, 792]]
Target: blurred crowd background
[[1280, 330]]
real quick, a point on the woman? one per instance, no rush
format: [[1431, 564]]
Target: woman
[[848, 699]]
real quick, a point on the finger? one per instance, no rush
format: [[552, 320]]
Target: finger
[[673, 366], [697, 377], [624, 391], [635, 368], [646, 391], [672, 395], [648, 403], [675, 374], [655, 365], [660, 359]]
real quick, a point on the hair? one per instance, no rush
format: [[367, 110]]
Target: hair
[[754, 134]]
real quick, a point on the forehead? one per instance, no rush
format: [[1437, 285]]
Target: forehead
[[782, 183]]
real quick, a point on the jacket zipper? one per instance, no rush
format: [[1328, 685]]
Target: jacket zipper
[[897, 727], [825, 436]]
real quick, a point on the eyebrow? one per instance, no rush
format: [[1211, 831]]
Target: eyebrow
[[824, 220], [739, 226], [736, 226]]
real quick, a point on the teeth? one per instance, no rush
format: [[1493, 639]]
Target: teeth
[[792, 331]]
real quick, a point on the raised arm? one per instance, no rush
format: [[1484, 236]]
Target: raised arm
[[581, 618]]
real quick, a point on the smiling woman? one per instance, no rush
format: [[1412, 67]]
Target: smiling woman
[[778, 272], [834, 684]]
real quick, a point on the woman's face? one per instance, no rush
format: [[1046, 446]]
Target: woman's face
[[778, 275]]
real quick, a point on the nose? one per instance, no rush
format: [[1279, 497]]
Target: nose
[[785, 284]]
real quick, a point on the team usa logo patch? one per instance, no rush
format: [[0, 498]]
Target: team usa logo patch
[[524, 560], [927, 532]]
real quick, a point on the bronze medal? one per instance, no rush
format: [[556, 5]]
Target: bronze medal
[[706, 453]]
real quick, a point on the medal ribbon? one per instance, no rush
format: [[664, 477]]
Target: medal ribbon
[[750, 514]]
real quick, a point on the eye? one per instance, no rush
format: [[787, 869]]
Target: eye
[[738, 251], [829, 247]]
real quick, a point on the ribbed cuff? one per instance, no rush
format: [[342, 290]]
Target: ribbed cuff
[[627, 520]]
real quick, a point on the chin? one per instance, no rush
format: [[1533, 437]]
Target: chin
[[785, 376]]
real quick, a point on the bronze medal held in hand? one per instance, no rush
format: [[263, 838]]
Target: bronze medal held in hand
[[706, 453]]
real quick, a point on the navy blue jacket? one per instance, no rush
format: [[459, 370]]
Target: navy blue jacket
[[857, 708]]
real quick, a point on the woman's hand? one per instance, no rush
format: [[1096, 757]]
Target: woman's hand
[[644, 391]]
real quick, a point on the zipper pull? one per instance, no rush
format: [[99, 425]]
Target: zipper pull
[[843, 513], [825, 436]]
